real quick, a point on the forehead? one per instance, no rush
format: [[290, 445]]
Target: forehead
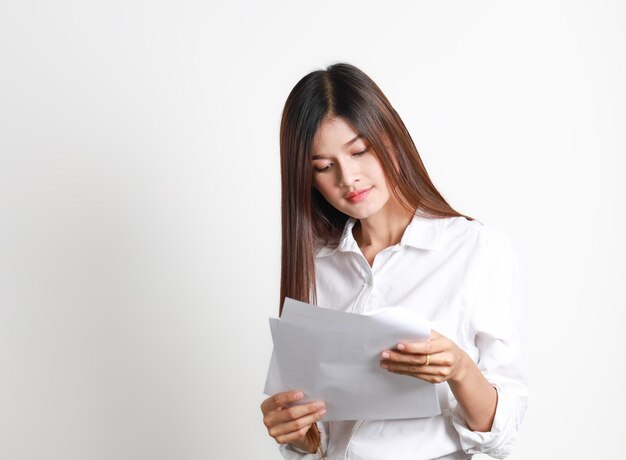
[[334, 135]]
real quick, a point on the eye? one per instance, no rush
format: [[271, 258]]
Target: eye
[[322, 169], [358, 154]]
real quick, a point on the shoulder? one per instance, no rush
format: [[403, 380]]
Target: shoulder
[[485, 238], [323, 251]]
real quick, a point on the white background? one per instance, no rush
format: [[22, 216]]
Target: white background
[[140, 199]]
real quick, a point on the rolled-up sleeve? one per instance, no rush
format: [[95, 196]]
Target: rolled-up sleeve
[[495, 324], [290, 452]]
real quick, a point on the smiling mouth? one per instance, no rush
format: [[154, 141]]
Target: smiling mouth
[[358, 195]]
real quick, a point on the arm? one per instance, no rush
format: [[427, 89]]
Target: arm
[[492, 391], [440, 360], [476, 396]]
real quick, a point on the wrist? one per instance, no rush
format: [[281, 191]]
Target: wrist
[[465, 366], [310, 442], [304, 446]]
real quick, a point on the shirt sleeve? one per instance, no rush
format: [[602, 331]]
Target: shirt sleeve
[[496, 328], [290, 452]]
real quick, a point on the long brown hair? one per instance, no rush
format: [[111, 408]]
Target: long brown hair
[[308, 220]]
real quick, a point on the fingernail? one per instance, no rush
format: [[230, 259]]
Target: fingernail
[[319, 405], [322, 412], [298, 394], [383, 365], [385, 355], [400, 346]]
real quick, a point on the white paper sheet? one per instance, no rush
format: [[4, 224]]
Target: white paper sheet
[[334, 356]]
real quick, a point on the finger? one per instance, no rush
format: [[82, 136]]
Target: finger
[[436, 377], [294, 436], [289, 414], [294, 426], [433, 345], [280, 399], [426, 377], [431, 369], [438, 359], [408, 358]]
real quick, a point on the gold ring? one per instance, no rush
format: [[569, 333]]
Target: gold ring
[[427, 360]]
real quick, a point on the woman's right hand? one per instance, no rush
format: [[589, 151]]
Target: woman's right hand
[[292, 424]]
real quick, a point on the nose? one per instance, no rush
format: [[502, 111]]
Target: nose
[[347, 175]]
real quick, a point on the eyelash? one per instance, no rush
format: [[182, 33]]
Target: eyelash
[[357, 154]]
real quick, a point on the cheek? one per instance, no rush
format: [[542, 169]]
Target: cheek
[[376, 170], [321, 183]]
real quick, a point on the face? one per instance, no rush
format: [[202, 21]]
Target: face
[[346, 171]]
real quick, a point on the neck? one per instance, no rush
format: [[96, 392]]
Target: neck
[[383, 229]]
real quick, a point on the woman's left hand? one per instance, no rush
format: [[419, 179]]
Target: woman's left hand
[[437, 360]]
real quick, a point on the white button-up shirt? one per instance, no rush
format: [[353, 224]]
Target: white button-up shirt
[[461, 275]]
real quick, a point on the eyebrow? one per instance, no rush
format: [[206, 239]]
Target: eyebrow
[[352, 141]]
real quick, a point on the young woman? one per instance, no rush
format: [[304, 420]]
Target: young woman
[[363, 227]]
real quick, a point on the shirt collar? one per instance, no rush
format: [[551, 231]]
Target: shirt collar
[[421, 233]]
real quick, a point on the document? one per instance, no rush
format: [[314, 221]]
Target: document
[[334, 357]]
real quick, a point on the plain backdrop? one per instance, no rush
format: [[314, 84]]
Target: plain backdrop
[[140, 205]]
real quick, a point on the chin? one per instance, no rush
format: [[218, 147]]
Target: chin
[[362, 213]]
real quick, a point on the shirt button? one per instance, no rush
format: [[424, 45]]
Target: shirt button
[[370, 280]]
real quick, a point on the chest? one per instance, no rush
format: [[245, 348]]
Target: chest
[[439, 286]]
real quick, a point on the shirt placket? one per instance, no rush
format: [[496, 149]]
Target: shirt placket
[[369, 275], [360, 306], [362, 300]]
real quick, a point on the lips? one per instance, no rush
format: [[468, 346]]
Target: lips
[[357, 195]]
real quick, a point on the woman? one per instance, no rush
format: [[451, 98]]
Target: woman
[[363, 227]]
